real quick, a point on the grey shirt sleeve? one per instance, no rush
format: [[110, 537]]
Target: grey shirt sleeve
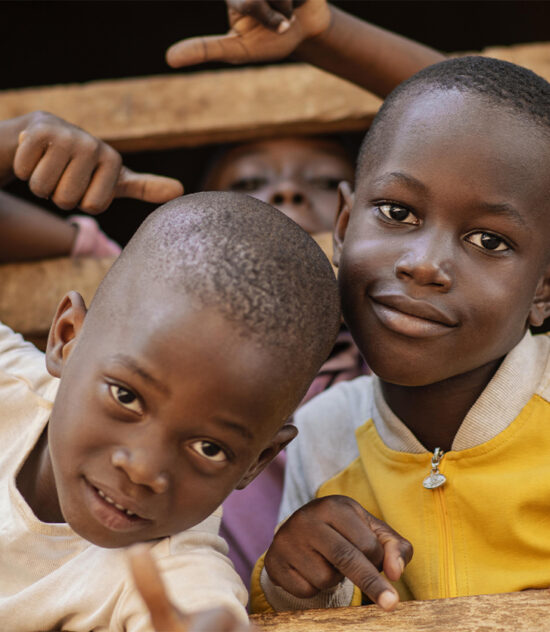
[[326, 440], [325, 445]]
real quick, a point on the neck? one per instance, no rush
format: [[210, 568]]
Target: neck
[[36, 483], [434, 413]]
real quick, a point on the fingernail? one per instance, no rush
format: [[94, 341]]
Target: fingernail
[[283, 26], [401, 564], [388, 600]]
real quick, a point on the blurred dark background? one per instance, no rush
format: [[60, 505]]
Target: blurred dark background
[[48, 42]]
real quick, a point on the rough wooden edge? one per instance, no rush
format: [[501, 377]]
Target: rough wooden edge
[[204, 107], [198, 108], [521, 612], [30, 292]]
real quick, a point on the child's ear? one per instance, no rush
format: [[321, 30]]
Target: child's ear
[[281, 439], [66, 325], [345, 204], [540, 309]]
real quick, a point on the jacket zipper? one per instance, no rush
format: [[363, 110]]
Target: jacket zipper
[[435, 481]]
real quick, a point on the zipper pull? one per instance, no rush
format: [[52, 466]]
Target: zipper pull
[[435, 478]]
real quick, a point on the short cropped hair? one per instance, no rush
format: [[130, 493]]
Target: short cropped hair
[[503, 84], [242, 257]]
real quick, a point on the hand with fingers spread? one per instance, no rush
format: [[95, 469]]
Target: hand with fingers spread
[[334, 537], [165, 617], [63, 162], [260, 30]]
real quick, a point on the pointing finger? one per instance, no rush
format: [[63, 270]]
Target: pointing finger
[[149, 584], [147, 187], [354, 564], [199, 50]]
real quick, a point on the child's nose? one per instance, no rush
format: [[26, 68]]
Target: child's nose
[[427, 263], [288, 193], [142, 467]]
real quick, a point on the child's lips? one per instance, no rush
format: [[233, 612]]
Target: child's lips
[[111, 513], [411, 317]]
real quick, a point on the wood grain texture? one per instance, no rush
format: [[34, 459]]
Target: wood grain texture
[[221, 106], [511, 612], [30, 292], [203, 107]]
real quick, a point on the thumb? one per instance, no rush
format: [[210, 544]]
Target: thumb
[[198, 50], [147, 187], [151, 588]]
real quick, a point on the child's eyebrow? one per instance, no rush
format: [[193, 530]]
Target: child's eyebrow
[[405, 178], [237, 427], [505, 209], [129, 363]]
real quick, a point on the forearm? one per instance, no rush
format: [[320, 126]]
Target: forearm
[[29, 232], [367, 55]]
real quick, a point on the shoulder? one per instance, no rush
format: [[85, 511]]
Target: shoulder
[[338, 411], [326, 440], [21, 363]]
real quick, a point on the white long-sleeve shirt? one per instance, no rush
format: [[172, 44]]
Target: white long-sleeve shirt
[[50, 577]]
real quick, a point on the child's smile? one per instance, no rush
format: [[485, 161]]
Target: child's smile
[[410, 317], [445, 245]]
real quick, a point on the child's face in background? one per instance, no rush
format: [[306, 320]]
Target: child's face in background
[[447, 239], [299, 176], [162, 416]]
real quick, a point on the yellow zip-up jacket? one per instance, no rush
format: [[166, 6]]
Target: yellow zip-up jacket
[[485, 530]]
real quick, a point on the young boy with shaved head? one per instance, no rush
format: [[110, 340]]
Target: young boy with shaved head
[[170, 391], [444, 265]]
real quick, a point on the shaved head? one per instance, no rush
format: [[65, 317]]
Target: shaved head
[[239, 256]]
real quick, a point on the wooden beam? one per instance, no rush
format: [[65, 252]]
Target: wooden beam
[[30, 292], [204, 107], [220, 106], [521, 612]]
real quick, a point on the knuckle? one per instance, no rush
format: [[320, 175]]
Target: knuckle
[[89, 145], [39, 189], [110, 156], [41, 120], [93, 208], [327, 578], [342, 555], [64, 202]]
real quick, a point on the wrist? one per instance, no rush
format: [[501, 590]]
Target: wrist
[[317, 35]]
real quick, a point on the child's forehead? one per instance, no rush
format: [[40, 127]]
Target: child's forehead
[[465, 146], [278, 149], [449, 122]]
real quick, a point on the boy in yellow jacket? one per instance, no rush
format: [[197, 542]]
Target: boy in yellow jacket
[[443, 266]]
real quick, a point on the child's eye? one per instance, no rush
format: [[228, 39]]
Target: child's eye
[[325, 183], [209, 450], [398, 213], [488, 241], [248, 184], [125, 398]]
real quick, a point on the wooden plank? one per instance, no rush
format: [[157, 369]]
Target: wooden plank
[[30, 292], [220, 106], [511, 612], [204, 107]]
